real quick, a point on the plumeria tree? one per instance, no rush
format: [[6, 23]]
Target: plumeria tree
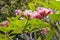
[[35, 23]]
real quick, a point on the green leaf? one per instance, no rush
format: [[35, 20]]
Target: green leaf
[[39, 38], [3, 37], [18, 16], [50, 34], [9, 19], [18, 25], [4, 29], [55, 17], [31, 6], [55, 4], [16, 30], [35, 23], [40, 3]]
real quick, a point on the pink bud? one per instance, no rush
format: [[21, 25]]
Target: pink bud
[[5, 23], [44, 31]]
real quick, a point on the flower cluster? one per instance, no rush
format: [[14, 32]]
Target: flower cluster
[[39, 13], [44, 31]]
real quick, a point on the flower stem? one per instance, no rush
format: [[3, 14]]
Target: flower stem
[[6, 34]]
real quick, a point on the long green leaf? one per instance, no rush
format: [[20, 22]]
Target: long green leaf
[[39, 38], [50, 34], [55, 17]]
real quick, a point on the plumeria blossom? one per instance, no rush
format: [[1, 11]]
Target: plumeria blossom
[[17, 12], [44, 11], [35, 14], [28, 13], [5, 23], [40, 9]]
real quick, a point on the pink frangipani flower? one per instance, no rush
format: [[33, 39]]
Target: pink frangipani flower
[[5, 23], [28, 13]]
